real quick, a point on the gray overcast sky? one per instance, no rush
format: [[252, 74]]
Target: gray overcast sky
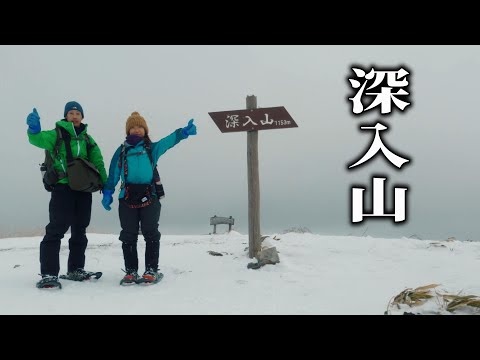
[[304, 179]]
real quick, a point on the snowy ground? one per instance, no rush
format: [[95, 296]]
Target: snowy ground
[[316, 275]]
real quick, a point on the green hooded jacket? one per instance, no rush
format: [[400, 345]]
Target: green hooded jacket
[[47, 139]]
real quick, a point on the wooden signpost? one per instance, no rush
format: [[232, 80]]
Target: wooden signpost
[[251, 120]]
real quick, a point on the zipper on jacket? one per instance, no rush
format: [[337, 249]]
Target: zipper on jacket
[[63, 167]]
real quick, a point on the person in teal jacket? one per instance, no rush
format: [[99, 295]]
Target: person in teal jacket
[[134, 163], [67, 208]]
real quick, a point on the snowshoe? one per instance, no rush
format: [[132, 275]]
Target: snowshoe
[[49, 282], [150, 277], [130, 278], [81, 275]]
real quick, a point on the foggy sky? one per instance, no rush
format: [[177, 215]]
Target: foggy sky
[[304, 181]]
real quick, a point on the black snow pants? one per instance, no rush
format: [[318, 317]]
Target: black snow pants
[[67, 209], [146, 219]]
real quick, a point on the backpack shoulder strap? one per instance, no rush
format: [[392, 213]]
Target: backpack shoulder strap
[[66, 139], [148, 149], [122, 155], [90, 146], [122, 161], [56, 149]]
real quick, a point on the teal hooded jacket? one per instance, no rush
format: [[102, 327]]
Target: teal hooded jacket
[[140, 168]]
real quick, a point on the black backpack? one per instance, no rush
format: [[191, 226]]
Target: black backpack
[[87, 179], [50, 176]]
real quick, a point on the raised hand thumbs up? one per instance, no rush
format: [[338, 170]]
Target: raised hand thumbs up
[[33, 122], [190, 129]]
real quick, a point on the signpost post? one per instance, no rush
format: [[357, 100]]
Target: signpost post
[[251, 120]]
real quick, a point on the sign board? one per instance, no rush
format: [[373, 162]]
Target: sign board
[[253, 119], [221, 220]]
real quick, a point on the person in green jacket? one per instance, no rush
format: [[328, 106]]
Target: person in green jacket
[[67, 208]]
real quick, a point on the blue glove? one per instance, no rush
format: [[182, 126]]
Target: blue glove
[[107, 199], [190, 129], [33, 121]]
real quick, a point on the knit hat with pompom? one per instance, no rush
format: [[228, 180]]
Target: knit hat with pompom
[[136, 120]]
